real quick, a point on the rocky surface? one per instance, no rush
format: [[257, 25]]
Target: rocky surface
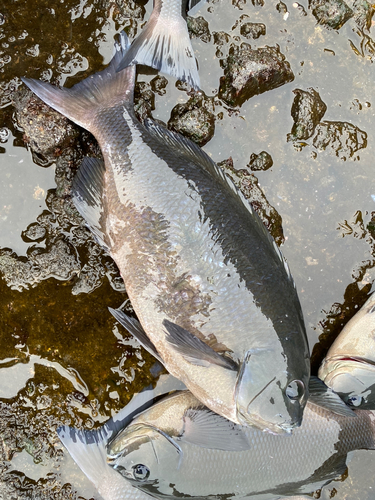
[[194, 119], [248, 72], [331, 13], [198, 28], [261, 161], [307, 111], [253, 30], [343, 138]]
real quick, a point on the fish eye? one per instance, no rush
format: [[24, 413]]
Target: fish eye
[[354, 400], [295, 390], [140, 472]]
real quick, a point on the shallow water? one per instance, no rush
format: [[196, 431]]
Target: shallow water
[[63, 358]]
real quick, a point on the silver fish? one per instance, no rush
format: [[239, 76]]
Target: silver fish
[[178, 448], [88, 448], [349, 367], [164, 42], [213, 294]]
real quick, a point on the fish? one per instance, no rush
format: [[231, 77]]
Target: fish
[[349, 366], [213, 294], [88, 448], [178, 448], [164, 42]]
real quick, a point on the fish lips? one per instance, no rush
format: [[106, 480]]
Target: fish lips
[[352, 378], [261, 400]]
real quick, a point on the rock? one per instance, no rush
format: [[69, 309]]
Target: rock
[[262, 161], [344, 138], [158, 84], [35, 232], [220, 39], [144, 100], [58, 260], [363, 13], [46, 131], [307, 111], [282, 8], [194, 120], [248, 72], [331, 13], [253, 30], [249, 186], [198, 28]]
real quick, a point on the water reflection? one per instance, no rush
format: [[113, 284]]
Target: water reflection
[[23, 188]]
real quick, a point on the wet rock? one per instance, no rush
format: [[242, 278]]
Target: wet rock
[[248, 72], [301, 9], [198, 28], [144, 100], [220, 39], [248, 184], [253, 30], [262, 161], [58, 260], [282, 8], [331, 13], [363, 13], [158, 84], [46, 131], [344, 138], [307, 111], [238, 4], [194, 120], [35, 232]]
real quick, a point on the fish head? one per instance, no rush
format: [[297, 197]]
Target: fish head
[[139, 453], [353, 379], [267, 396]]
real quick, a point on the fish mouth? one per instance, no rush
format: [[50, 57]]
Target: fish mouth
[[350, 359]]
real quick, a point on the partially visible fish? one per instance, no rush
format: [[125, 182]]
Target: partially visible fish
[[349, 367], [88, 448], [214, 296], [178, 448], [164, 42]]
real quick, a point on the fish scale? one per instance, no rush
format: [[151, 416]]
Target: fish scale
[[201, 270], [211, 463]]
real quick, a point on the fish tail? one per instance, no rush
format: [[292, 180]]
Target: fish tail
[[88, 450], [81, 102], [164, 44]]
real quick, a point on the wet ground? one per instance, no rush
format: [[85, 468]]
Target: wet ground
[[309, 121]]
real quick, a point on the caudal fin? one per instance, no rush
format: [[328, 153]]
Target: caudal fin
[[164, 44], [106, 88]]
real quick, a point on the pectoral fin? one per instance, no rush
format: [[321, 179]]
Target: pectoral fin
[[321, 395], [135, 328], [205, 428], [87, 193], [193, 349]]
